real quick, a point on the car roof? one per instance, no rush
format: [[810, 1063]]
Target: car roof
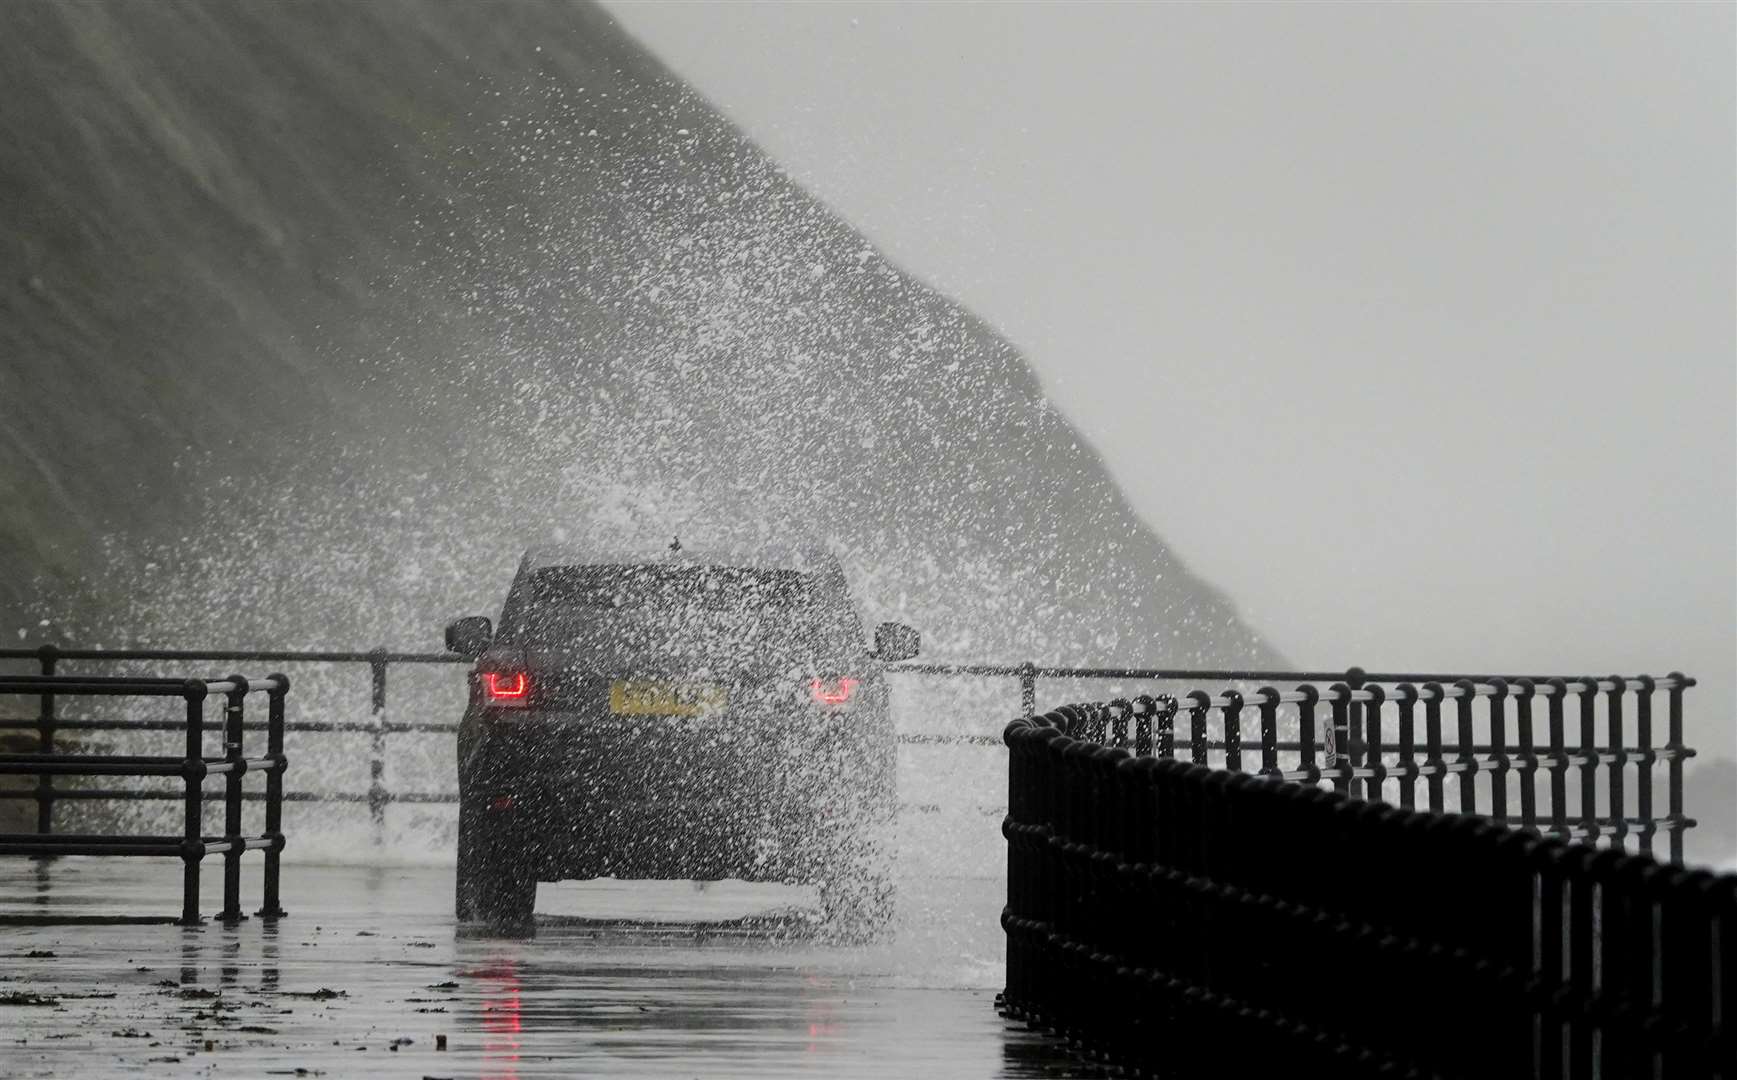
[[806, 558]]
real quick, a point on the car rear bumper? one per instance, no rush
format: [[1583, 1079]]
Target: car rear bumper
[[683, 840], [583, 797], [624, 759]]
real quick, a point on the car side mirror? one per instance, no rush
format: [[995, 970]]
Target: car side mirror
[[469, 636], [895, 641]]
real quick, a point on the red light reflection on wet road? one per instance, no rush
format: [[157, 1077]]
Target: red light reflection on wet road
[[501, 1020]]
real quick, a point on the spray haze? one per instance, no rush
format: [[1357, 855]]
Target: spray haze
[[1413, 326], [472, 282]]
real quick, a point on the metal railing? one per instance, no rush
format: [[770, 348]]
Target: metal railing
[[1165, 917], [379, 795], [192, 768], [1503, 742], [1371, 737], [47, 724]]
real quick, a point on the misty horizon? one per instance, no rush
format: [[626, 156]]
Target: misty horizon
[[1370, 318]]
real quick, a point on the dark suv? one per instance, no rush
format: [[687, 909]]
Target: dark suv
[[689, 716]]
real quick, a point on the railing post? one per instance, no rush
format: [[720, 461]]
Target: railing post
[[1306, 734], [1643, 719], [377, 794], [1120, 710], [1231, 710], [1269, 707], [193, 772], [1434, 762], [1199, 708], [1144, 709], [1028, 689], [274, 725], [1674, 771], [1618, 811], [1499, 765], [1524, 690], [45, 656], [1353, 747], [1372, 754], [1339, 738], [1554, 710], [1589, 759], [233, 706], [1406, 695], [1467, 759]]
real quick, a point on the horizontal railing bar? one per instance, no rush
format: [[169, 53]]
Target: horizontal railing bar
[[242, 655], [87, 689], [1484, 752], [154, 795], [362, 727], [83, 686], [1253, 699], [424, 798], [1486, 763], [112, 759], [51, 681], [168, 795], [8, 847], [50, 839], [1041, 671], [1516, 759], [353, 656], [1541, 682], [145, 684], [1578, 828], [103, 844], [328, 726], [213, 765], [1576, 685], [123, 794], [96, 767], [1250, 744]]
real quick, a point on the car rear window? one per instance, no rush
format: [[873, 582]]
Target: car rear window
[[713, 588]]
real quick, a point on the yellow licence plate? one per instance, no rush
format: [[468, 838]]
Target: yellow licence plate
[[628, 698]]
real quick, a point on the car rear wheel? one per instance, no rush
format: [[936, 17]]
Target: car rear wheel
[[856, 892], [494, 888]]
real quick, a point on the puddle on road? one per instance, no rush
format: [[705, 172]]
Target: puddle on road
[[367, 975]]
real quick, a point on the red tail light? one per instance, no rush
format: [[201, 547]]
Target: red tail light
[[504, 689], [832, 691]]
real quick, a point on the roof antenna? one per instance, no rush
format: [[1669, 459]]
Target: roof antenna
[[676, 544]]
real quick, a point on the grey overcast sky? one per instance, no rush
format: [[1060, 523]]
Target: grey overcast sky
[[1411, 326]]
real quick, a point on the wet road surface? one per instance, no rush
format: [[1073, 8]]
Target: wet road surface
[[368, 975]]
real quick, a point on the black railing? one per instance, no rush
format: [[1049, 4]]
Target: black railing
[[1502, 742], [1391, 730], [379, 726], [1174, 919], [192, 767], [47, 724]]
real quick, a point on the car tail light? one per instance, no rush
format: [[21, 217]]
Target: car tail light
[[832, 692], [507, 690]]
